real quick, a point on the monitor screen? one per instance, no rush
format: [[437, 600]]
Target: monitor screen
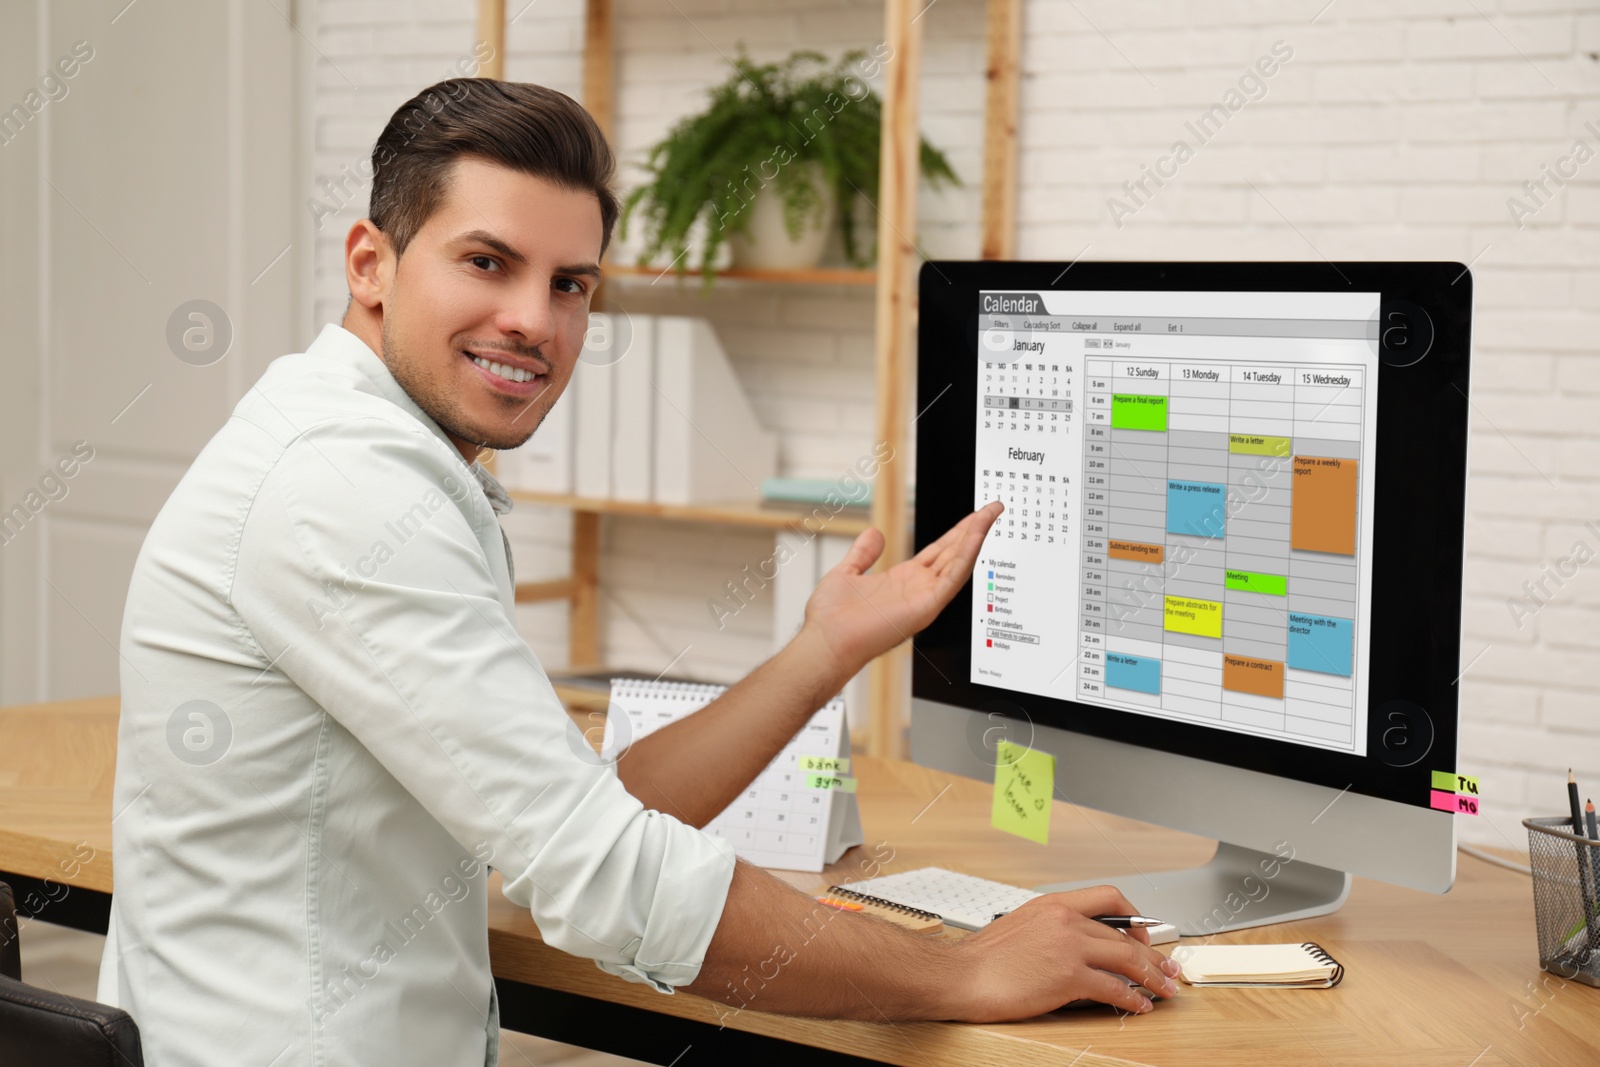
[[1234, 498], [1188, 523]]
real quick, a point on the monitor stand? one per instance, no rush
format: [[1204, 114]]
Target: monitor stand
[[1232, 892]]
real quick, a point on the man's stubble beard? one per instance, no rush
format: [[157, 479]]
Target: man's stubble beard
[[434, 396]]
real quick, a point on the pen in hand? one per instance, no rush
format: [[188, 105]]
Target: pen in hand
[[1116, 922], [1125, 922]]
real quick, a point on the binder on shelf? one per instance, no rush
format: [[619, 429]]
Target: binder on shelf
[[633, 414], [543, 463], [808, 558], [831, 551], [782, 820], [710, 447], [792, 585], [596, 384]]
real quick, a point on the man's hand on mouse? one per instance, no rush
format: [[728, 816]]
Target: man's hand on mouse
[[1049, 952]]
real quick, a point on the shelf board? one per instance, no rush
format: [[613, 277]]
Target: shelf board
[[814, 276], [580, 698], [847, 522]]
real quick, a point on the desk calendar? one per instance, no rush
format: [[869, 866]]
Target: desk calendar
[[782, 820]]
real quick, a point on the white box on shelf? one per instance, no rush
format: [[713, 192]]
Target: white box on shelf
[[543, 463], [710, 447], [830, 551], [633, 413], [792, 585], [592, 433], [809, 558]]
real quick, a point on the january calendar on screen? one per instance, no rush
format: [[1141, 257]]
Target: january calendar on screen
[[789, 818]]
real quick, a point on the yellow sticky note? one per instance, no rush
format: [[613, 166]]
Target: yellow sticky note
[[1024, 782], [1451, 782]]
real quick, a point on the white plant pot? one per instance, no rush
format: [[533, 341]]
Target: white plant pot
[[767, 245]]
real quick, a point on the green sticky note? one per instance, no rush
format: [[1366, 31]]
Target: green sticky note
[[830, 781], [826, 764], [1024, 782], [1451, 782]]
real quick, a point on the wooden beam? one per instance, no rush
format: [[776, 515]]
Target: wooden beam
[[492, 32], [803, 519], [583, 630], [598, 57], [899, 163], [537, 592], [1000, 130], [802, 276]]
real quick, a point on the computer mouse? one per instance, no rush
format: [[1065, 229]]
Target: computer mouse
[[1085, 1003]]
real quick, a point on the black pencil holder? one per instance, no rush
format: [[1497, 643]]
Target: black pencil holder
[[1566, 898]]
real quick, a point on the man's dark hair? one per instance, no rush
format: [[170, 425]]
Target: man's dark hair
[[518, 125]]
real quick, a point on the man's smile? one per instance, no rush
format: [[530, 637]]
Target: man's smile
[[510, 375]]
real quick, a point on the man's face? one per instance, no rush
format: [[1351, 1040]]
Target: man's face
[[490, 303]]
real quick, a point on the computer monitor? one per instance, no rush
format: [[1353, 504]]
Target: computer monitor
[[1226, 589]]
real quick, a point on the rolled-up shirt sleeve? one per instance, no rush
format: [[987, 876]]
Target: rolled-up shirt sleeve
[[363, 575]]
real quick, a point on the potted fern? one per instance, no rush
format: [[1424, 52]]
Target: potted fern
[[795, 143]]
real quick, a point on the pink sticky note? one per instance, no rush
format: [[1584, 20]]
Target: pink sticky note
[[1461, 805]]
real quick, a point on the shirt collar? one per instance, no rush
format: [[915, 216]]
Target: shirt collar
[[339, 345]]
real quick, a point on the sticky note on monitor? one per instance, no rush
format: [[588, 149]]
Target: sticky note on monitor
[[1450, 782], [1456, 802], [1024, 782]]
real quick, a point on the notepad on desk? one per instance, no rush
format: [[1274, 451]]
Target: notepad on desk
[[1302, 966], [914, 919]]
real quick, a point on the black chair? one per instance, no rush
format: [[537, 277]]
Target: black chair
[[40, 1028]]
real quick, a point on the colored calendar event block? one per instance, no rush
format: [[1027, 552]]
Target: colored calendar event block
[[1198, 509], [1323, 515], [1319, 643], [1142, 674], [1186, 615], [1251, 582], [1132, 411], [1244, 674], [1137, 551], [1253, 444]]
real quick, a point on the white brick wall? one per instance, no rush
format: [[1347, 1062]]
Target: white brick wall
[[1397, 130]]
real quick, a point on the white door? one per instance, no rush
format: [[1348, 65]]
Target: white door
[[150, 266]]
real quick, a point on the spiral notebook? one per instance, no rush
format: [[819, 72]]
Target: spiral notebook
[[1302, 966], [914, 919], [782, 820]]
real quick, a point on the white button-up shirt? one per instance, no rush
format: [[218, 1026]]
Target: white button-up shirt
[[331, 728]]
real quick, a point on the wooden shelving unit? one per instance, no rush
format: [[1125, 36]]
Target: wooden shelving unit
[[581, 589], [848, 522], [895, 284], [815, 276]]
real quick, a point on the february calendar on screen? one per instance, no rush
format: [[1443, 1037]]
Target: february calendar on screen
[[796, 815]]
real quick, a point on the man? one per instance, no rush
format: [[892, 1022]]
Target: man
[[330, 727]]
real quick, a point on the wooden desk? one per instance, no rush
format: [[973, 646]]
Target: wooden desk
[[1450, 981]]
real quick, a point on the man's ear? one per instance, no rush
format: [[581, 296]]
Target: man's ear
[[369, 262]]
